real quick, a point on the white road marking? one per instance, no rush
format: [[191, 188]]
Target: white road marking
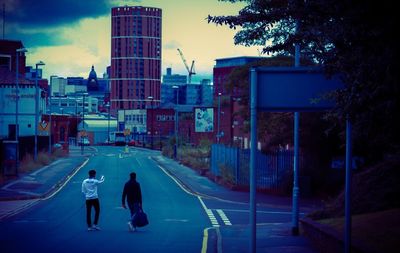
[[224, 217], [176, 220], [66, 181], [30, 221], [267, 212], [209, 213]]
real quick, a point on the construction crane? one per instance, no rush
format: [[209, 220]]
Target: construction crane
[[190, 70]]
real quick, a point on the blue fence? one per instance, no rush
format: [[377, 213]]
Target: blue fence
[[232, 164]]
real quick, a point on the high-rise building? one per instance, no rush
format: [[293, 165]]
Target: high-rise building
[[135, 57]]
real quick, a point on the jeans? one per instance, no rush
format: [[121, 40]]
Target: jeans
[[89, 204]]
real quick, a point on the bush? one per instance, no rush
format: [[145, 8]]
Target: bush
[[226, 173], [44, 159]]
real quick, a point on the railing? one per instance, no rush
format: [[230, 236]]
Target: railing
[[232, 164]]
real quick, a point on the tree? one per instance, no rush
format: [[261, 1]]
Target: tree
[[353, 38]]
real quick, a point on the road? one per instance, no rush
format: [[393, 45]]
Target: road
[[181, 219], [177, 219]]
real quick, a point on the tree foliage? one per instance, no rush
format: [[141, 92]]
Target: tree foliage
[[354, 38]]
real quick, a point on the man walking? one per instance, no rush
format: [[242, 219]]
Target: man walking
[[133, 194], [89, 189]]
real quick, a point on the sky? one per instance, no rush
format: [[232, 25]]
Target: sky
[[72, 35]]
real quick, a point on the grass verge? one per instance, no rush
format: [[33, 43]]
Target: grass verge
[[377, 232]]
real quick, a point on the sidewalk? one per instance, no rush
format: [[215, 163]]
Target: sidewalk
[[28, 189]]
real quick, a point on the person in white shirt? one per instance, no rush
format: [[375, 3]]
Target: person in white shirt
[[89, 189]]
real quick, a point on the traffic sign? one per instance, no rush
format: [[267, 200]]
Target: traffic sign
[[43, 128], [127, 131]]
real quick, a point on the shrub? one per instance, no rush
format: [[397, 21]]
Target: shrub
[[226, 173]]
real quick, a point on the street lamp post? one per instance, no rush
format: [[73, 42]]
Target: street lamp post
[[218, 116], [40, 63], [176, 121], [108, 132], [151, 118], [83, 120], [50, 126], [18, 51]]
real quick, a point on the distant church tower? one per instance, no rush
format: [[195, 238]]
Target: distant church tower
[[92, 83]]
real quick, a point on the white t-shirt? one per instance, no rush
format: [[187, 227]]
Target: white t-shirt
[[89, 187]]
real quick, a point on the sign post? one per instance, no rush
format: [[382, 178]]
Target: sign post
[[289, 89]]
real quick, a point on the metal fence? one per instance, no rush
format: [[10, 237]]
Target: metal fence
[[232, 164]]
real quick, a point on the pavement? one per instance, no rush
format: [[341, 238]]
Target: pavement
[[21, 193], [27, 190]]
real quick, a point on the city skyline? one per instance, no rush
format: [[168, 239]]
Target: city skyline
[[70, 37]]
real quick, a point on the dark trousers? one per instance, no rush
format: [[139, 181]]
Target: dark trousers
[[89, 204], [133, 207]]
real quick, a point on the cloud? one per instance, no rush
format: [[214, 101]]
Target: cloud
[[172, 44], [36, 22], [46, 13]]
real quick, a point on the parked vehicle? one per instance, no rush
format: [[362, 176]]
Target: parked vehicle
[[120, 139], [131, 143]]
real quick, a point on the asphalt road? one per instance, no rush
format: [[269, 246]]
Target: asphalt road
[[187, 213], [177, 219]]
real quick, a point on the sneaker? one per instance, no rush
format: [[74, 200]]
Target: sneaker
[[95, 227], [130, 226], [90, 229]]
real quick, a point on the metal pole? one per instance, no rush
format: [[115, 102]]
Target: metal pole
[[219, 115], [108, 123], [253, 149], [295, 204], [296, 189], [152, 115], [40, 63], [176, 121], [36, 113], [348, 187], [176, 126], [16, 111], [83, 122], [50, 126], [151, 120]]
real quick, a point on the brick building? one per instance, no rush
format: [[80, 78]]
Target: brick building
[[135, 57]]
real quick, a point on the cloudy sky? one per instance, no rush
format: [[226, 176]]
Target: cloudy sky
[[72, 35]]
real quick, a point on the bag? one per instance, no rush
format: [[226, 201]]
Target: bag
[[139, 219]]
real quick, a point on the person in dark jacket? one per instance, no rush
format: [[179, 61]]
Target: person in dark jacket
[[133, 195]]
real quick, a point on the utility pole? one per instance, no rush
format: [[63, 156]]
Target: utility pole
[[40, 63]]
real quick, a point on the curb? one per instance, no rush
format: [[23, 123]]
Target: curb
[[49, 192], [36, 199], [189, 189]]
